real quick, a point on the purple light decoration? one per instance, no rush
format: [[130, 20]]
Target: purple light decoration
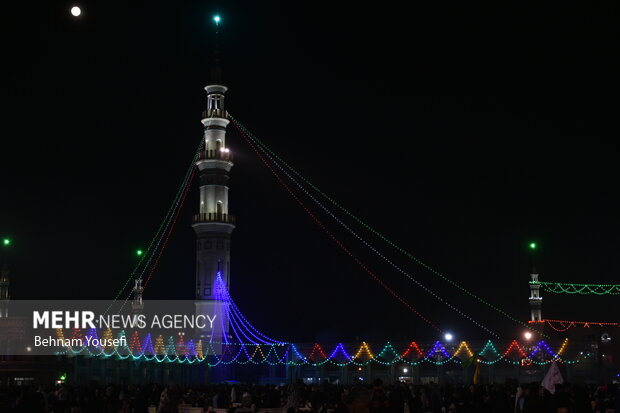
[[265, 339], [243, 323], [219, 296], [234, 322], [92, 333], [190, 349], [243, 330], [542, 345], [147, 345], [340, 348], [438, 347], [294, 348]]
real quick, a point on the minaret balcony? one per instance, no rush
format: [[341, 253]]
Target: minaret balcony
[[214, 113], [223, 155], [213, 217]]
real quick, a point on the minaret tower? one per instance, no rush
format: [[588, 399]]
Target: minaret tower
[[213, 224], [137, 305], [535, 297], [4, 291]]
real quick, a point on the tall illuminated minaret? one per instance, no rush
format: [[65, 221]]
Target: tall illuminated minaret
[[213, 224]]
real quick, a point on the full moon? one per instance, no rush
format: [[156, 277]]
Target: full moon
[[76, 11]]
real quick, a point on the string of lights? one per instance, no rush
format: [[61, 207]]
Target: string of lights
[[266, 148], [288, 354], [373, 249], [241, 324], [148, 254], [570, 288], [326, 230], [165, 238], [170, 229], [563, 325]]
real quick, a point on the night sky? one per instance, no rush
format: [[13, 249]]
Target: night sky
[[460, 132]]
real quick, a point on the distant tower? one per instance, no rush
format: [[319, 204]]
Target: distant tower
[[535, 297], [213, 224], [137, 305], [4, 291]]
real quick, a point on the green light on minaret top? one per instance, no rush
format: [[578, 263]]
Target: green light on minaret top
[[6, 242], [139, 252], [217, 19], [532, 245]]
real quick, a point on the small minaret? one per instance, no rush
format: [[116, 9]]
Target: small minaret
[[213, 224], [535, 297], [137, 305], [4, 291]]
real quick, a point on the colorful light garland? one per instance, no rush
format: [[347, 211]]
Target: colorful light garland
[[243, 330], [570, 288], [288, 354], [565, 325]]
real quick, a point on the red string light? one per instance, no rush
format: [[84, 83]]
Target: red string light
[[567, 324], [514, 346], [77, 334], [413, 346], [181, 345], [134, 343], [317, 347]]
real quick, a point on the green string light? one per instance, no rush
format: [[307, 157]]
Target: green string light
[[572, 288], [378, 234]]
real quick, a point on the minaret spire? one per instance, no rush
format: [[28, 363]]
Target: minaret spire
[[216, 67], [535, 297]]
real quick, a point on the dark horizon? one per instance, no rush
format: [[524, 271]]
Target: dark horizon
[[462, 133]]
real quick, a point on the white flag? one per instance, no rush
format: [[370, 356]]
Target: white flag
[[552, 378]]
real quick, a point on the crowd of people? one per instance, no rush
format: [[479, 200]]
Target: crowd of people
[[319, 398]]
